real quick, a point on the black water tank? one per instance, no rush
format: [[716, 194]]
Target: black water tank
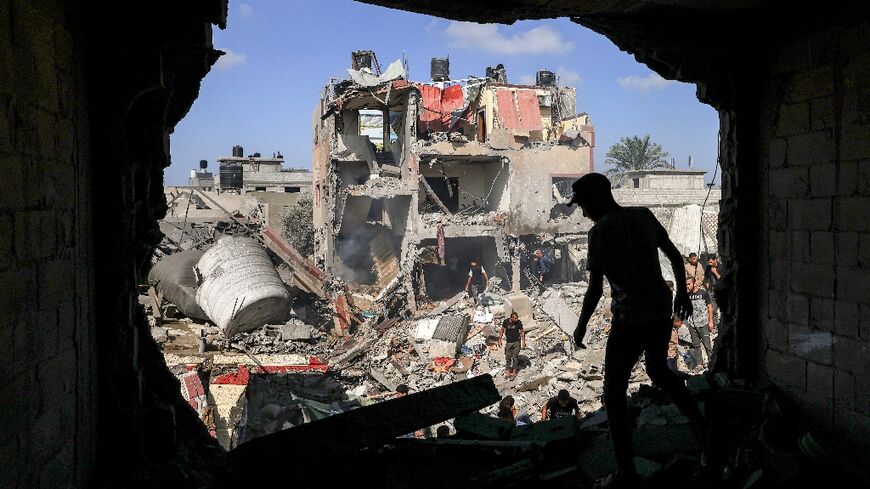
[[440, 69], [256, 155], [238, 151], [231, 176], [545, 78], [203, 164]]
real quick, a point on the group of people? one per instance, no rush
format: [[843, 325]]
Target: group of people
[[558, 406], [701, 284], [645, 311]]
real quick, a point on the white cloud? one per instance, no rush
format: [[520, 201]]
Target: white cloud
[[569, 77], [644, 84], [487, 37], [230, 60], [246, 10]]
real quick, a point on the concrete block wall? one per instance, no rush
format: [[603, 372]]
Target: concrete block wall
[[47, 407], [817, 315]]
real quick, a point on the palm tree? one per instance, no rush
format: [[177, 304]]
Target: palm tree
[[634, 153]]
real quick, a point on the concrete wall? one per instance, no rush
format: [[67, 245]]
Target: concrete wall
[[47, 399], [816, 296]]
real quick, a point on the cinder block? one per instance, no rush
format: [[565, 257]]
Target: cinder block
[[844, 389], [852, 214], [814, 280], [799, 246], [13, 195], [848, 247], [797, 309], [776, 153], [851, 355], [847, 183], [810, 148], [810, 344], [793, 119], [57, 283], [789, 182], [822, 247], [823, 180], [777, 334], [822, 314], [847, 318], [787, 369], [855, 139], [809, 214], [809, 84], [822, 113], [853, 282], [820, 379]]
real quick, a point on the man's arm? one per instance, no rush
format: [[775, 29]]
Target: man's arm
[[485, 279], [523, 337], [590, 301], [500, 335], [710, 317], [544, 412], [682, 304], [468, 282], [577, 413]]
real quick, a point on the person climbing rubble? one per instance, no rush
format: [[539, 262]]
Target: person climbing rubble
[[561, 405], [641, 306], [541, 264], [477, 280], [514, 337]]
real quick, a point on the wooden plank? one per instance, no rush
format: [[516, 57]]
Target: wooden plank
[[434, 197]]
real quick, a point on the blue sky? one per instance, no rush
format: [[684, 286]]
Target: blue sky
[[280, 54]]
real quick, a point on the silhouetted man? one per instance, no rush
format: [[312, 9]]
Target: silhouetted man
[[623, 246]]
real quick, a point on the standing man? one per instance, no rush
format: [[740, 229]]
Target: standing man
[[541, 264], [561, 405], [695, 269], [701, 320], [515, 338], [641, 310], [477, 280], [713, 277]]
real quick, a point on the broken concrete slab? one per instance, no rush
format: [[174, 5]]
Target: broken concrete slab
[[265, 459], [382, 379], [295, 330], [561, 313], [444, 306]]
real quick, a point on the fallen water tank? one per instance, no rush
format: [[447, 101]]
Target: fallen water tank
[[231, 176], [240, 290]]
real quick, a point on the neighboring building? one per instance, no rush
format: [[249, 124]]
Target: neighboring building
[[255, 173], [481, 167], [201, 179]]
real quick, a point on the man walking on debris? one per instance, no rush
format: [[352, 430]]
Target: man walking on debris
[[541, 265], [477, 280], [701, 320], [515, 338], [641, 310]]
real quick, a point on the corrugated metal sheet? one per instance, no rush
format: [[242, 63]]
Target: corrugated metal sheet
[[530, 112], [507, 110]]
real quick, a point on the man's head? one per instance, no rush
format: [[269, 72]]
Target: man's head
[[712, 261], [508, 402], [473, 262], [690, 284], [592, 194], [564, 396], [402, 390], [506, 413], [677, 320], [514, 317], [538, 252], [693, 258], [443, 431]]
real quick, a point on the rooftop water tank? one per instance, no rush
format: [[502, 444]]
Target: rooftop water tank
[[240, 290], [203, 164], [497, 73], [440, 69], [545, 78], [238, 151], [231, 176]]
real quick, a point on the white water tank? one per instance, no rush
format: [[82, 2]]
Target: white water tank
[[240, 290]]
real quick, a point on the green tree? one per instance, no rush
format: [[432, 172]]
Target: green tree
[[634, 153], [298, 225]]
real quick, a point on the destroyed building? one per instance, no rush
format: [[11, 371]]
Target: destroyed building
[[473, 168], [88, 400], [257, 173]]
